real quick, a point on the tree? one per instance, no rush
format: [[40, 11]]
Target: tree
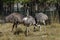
[[1, 6]]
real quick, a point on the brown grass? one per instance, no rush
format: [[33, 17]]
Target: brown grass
[[52, 32]]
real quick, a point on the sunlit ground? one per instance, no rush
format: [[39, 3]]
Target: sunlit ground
[[49, 32]]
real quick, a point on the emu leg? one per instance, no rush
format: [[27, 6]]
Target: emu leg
[[39, 27], [27, 31], [34, 27], [13, 27], [16, 26], [44, 25], [44, 22]]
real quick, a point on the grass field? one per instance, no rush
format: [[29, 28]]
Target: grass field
[[52, 32]]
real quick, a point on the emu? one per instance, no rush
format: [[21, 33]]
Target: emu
[[40, 18], [14, 18], [29, 20]]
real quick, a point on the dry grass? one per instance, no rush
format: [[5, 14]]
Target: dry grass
[[51, 32]]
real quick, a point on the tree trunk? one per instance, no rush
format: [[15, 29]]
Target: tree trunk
[[1, 7]]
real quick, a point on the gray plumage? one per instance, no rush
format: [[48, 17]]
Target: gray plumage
[[41, 17], [29, 20], [14, 17]]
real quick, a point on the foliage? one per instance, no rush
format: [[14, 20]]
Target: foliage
[[24, 1], [7, 1]]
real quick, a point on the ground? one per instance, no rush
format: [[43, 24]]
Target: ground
[[49, 32]]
